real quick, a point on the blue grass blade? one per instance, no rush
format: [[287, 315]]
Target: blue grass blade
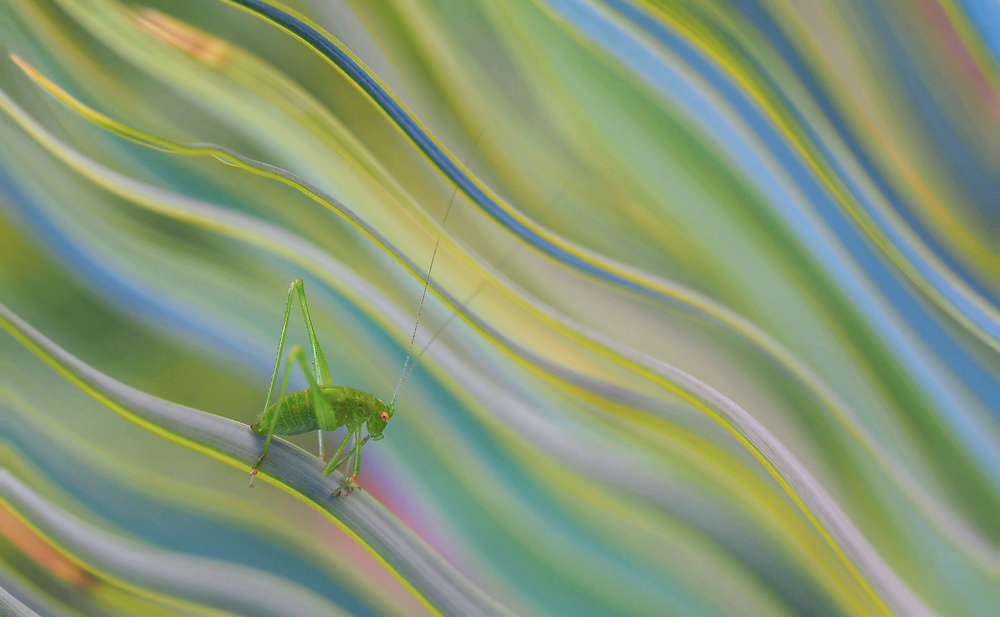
[[12, 607]]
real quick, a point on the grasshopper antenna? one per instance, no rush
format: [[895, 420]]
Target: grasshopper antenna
[[472, 296], [403, 374], [451, 318]]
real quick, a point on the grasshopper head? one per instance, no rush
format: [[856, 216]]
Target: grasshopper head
[[379, 419]]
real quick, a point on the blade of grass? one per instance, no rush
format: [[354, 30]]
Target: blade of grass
[[175, 579], [313, 259], [439, 586], [870, 573], [951, 525], [868, 570], [27, 423], [12, 607]]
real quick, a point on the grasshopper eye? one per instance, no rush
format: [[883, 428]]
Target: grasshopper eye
[[384, 416]]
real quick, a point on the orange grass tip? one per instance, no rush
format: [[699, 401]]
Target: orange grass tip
[[21, 64], [35, 76], [203, 46], [38, 549]]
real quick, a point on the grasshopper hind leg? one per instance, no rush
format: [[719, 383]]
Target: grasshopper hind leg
[[296, 351], [319, 401], [319, 376]]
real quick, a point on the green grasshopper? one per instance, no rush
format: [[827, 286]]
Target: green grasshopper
[[323, 406]]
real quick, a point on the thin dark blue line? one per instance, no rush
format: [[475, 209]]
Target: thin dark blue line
[[423, 141]]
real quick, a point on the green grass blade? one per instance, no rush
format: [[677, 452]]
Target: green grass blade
[[443, 589]]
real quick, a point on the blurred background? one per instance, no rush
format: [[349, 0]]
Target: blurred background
[[789, 205]]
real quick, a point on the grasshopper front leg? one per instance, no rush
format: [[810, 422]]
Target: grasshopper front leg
[[356, 467]]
